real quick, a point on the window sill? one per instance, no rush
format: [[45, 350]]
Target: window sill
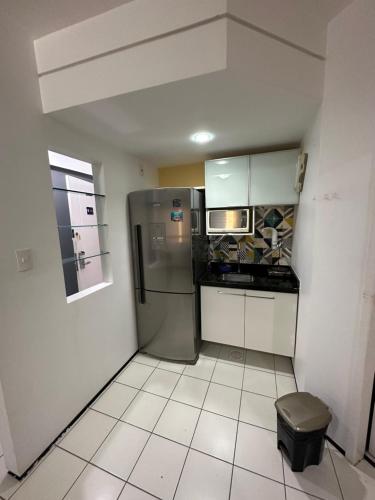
[[88, 291]]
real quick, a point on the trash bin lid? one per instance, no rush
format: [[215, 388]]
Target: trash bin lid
[[303, 411]]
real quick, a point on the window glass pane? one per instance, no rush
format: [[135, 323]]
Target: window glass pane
[[79, 223]]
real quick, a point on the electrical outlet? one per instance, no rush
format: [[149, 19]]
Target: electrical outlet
[[24, 260]]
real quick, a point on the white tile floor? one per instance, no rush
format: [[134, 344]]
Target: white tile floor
[[204, 432]]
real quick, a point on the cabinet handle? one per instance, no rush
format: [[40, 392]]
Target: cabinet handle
[[260, 297], [235, 294]]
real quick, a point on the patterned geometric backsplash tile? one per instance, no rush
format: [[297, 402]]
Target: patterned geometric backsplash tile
[[257, 249]]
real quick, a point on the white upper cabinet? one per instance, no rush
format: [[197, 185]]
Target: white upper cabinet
[[272, 178], [227, 182]]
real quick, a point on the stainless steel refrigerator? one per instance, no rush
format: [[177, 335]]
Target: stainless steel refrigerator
[[169, 249]]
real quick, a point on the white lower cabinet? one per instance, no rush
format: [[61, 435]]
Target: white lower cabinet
[[262, 321], [223, 315]]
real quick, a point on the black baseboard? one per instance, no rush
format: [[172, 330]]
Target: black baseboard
[[330, 440], [369, 460], [22, 476]]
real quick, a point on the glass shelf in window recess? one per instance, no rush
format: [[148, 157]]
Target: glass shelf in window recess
[[80, 257], [81, 226], [73, 191], [79, 211]]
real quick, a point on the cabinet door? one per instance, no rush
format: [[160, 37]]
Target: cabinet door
[[285, 323], [227, 182], [272, 178], [270, 322], [223, 311], [259, 320]]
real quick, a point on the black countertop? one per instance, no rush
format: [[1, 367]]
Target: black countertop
[[285, 281]]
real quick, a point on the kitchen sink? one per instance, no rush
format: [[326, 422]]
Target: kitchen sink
[[236, 277]]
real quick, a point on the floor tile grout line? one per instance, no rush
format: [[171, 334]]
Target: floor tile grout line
[[282, 458], [201, 409], [92, 456], [54, 445], [23, 481], [305, 492], [140, 489], [89, 462], [106, 471], [151, 433], [187, 404], [190, 406], [337, 476], [182, 444], [231, 363], [195, 428], [277, 394], [139, 390], [118, 419], [259, 394], [75, 481], [185, 446], [213, 358], [235, 443], [204, 380], [128, 405]]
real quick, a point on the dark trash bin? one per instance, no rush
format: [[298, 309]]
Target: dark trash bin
[[302, 421]]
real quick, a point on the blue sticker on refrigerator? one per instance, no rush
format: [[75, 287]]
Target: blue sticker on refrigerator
[[177, 216]]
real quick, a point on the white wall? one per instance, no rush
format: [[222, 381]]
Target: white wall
[[125, 25], [163, 38], [333, 259], [54, 356], [303, 246], [301, 22], [160, 61]]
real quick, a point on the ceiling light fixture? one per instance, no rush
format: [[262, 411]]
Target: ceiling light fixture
[[202, 137], [222, 162]]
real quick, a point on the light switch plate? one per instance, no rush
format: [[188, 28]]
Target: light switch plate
[[24, 259]]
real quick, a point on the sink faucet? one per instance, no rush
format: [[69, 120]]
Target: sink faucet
[[238, 257], [274, 242]]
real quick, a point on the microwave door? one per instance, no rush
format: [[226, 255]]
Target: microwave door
[[229, 221]]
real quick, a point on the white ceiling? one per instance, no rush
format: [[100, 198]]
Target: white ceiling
[[155, 124]]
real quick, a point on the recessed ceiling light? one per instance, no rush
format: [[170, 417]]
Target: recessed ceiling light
[[202, 137], [223, 176]]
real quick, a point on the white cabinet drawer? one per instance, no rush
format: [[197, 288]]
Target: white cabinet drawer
[[223, 315]]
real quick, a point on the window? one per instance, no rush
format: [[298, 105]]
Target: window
[[79, 214]]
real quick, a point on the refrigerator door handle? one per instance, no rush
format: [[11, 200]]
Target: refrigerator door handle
[[142, 294]]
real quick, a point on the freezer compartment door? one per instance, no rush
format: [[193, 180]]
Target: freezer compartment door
[[162, 239], [167, 326]]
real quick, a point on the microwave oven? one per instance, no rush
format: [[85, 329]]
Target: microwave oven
[[230, 221]]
